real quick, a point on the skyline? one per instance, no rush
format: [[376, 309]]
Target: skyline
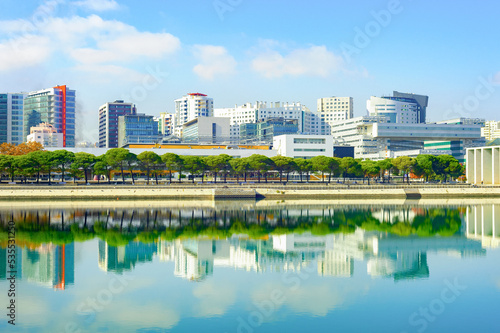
[[252, 51]]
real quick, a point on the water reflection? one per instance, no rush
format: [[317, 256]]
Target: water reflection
[[393, 242]]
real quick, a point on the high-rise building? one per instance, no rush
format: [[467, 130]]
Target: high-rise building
[[190, 107], [137, 128], [333, 109], [491, 130], [422, 102], [55, 106], [108, 121], [166, 123], [11, 118]]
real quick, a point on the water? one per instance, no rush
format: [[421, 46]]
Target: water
[[270, 266]]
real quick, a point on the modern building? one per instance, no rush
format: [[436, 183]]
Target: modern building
[[166, 123], [11, 118], [422, 102], [46, 135], [206, 130], [138, 128], [491, 130], [483, 165], [119, 259], [308, 122], [333, 109], [108, 121], [304, 146], [264, 131], [55, 106], [190, 107], [396, 110], [376, 138]]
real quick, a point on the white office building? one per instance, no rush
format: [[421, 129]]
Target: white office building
[[47, 135], [166, 123], [396, 111], [190, 107], [206, 130], [376, 138], [483, 165], [333, 109], [491, 130], [304, 146], [308, 121]]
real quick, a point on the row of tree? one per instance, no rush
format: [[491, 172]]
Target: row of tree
[[38, 163]]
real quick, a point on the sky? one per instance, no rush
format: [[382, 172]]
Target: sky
[[152, 52]]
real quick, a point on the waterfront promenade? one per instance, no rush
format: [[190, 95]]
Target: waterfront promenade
[[248, 191]]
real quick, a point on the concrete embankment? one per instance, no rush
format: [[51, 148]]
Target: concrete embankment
[[207, 192]]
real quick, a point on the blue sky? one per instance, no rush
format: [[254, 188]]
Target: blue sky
[[154, 51]]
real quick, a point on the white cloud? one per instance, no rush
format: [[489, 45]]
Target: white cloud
[[214, 60], [313, 61], [23, 52], [98, 5]]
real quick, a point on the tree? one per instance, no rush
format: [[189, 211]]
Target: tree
[[449, 166], [131, 161], [21, 149], [303, 166], [283, 164], [240, 167], [260, 164], [218, 163], [8, 164], [148, 160], [370, 169], [103, 167], [192, 164], [117, 157], [322, 164], [385, 165], [63, 160], [172, 162], [84, 162], [405, 164], [428, 164], [349, 166]]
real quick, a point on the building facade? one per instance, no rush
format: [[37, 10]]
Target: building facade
[[491, 130], [397, 111], [166, 123], [304, 146], [332, 109], [11, 118], [190, 107], [206, 130], [422, 102], [46, 135], [138, 128], [55, 106], [108, 121], [483, 165]]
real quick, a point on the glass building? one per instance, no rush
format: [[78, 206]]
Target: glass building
[[11, 118], [55, 106], [108, 122], [139, 128]]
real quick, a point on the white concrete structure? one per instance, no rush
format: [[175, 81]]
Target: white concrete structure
[[46, 135], [309, 122], [207, 130], [166, 123], [491, 130], [191, 107], [374, 136], [303, 146], [397, 112], [332, 109], [483, 224], [483, 165]]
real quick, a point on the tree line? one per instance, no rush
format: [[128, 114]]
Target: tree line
[[38, 163]]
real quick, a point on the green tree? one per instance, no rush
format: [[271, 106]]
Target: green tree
[[84, 162], [261, 165], [240, 167], [385, 165], [321, 164], [131, 161], [148, 161], [370, 169], [404, 164], [429, 165], [349, 166], [8, 164], [172, 162], [192, 164], [303, 166], [118, 157], [449, 166], [283, 164], [217, 164], [63, 159]]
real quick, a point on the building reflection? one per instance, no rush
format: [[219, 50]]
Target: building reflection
[[48, 264], [119, 259], [483, 224]]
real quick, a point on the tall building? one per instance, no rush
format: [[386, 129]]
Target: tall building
[[119, 259], [397, 111], [190, 107], [166, 123], [206, 130], [46, 135], [11, 118], [422, 102], [333, 109], [55, 106], [138, 128], [491, 130], [108, 121]]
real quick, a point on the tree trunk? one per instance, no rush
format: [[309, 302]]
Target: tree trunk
[[123, 176]]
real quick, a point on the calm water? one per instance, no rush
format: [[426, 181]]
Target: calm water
[[291, 266]]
